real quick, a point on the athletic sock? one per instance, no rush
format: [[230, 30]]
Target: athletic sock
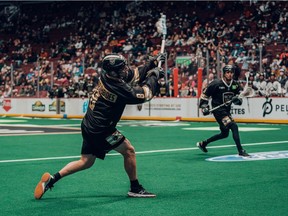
[[134, 183], [56, 177], [204, 143]]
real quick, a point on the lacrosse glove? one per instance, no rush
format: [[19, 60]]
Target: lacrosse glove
[[156, 59], [205, 109], [158, 72], [236, 100]]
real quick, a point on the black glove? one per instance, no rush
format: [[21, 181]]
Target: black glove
[[205, 110], [159, 57], [158, 72], [236, 100]]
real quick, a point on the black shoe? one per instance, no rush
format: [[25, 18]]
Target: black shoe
[[201, 147], [140, 192], [243, 153]]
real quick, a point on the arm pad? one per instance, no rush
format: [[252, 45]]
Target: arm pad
[[158, 72]]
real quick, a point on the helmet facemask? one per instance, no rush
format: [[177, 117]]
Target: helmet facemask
[[228, 72], [115, 66]]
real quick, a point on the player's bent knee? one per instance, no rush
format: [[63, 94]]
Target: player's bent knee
[[234, 127], [87, 162], [225, 134], [126, 149], [130, 151]]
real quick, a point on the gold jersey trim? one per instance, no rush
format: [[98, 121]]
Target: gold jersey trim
[[98, 91], [106, 94], [135, 78]]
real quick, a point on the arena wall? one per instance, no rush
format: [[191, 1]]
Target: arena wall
[[256, 110]]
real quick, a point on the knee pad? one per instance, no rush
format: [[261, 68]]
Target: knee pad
[[115, 139]]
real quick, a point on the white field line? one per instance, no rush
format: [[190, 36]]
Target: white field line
[[44, 126], [142, 152], [39, 134]]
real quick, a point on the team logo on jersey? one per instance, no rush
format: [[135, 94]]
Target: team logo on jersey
[[112, 61], [253, 157], [227, 96]]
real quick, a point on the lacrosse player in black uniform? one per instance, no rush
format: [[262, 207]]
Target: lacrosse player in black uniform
[[118, 86], [225, 90]]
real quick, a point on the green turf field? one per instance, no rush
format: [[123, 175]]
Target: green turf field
[[169, 165]]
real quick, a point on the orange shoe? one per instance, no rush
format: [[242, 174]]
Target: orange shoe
[[43, 185]]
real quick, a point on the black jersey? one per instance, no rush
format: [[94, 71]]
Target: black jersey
[[109, 98], [220, 92]]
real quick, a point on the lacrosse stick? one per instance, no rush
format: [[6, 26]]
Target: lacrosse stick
[[249, 90], [221, 105], [246, 93], [161, 29]]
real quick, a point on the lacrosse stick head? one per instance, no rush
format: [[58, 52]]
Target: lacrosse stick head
[[247, 74], [247, 92], [161, 25], [162, 29]]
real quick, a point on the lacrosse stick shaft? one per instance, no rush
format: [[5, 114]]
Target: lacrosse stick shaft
[[248, 92], [247, 80], [162, 49], [221, 105], [163, 31]]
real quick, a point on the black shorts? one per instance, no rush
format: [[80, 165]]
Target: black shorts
[[223, 120], [100, 144]]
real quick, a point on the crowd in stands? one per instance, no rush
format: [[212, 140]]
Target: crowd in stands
[[55, 49]]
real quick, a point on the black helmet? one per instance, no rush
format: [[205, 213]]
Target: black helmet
[[113, 65], [227, 68]]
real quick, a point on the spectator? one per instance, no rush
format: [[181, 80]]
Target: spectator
[[30, 91], [208, 80], [285, 89], [260, 84], [284, 54], [244, 61], [273, 86], [88, 40], [7, 91], [236, 51]]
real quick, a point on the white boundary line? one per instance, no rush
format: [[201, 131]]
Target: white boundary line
[[43, 126], [142, 152], [39, 134], [76, 129]]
